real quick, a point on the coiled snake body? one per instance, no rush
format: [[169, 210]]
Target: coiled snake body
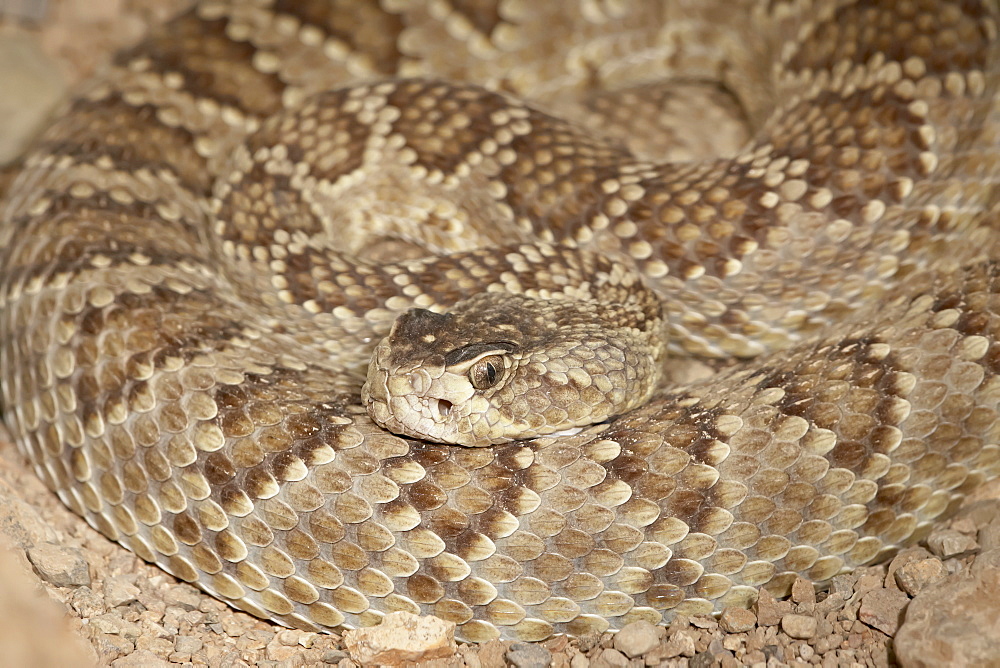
[[187, 311]]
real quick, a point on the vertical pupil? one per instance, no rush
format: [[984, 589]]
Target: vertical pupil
[[491, 373]]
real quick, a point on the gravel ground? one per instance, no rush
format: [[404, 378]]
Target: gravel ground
[[68, 596]]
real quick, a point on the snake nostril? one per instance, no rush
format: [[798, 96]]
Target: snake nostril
[[444, 407]]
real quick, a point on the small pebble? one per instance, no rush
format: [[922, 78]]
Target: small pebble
[[799, 626], [704, 622], [142, 658], [87, 603], [804, 593], [119, 590], [843, 584], [964, 525], [883, 609], [948, 543], [184, 596], [636, 639], [402, 636], [679, 644], [112, 622], [769, 610], [188, 644], [989, 536], [59, 565], [916, 575], [528, 655], [737, 620], [609, 658], [702, 660], [867, 582], [332, 656]]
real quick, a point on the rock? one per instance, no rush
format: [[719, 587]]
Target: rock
[[296, 638], [109, 645], [869, 581], [832, 603], [142, 658], [279, 651], [402, 636], [183, 596], [190, 644], [843, 584], [21, 523], [59, 565], [769, 610], [528, 655], [956, 621], [636, 639], [948, 543], [333, 656], [704, 622], [964, 525], [702, 660], [799, 626], [609, 658], [112, 623], [87, 603], [288, 643], [579, 661], [737, 620], [491, 654], [904, 557], [914, 576], [119, 590], [883, 609], [804, 594], [989, 535], [35, 631], [679, 644]]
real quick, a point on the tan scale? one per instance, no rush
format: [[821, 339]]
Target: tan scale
[[203, 252]]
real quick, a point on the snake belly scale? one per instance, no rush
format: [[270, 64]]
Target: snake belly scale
[[187, 311]]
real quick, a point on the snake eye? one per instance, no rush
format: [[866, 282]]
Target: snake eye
[[485, 373]]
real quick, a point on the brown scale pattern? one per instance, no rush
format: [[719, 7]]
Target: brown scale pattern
[[185, 327]]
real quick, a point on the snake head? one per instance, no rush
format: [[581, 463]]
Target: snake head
[[504, 367]]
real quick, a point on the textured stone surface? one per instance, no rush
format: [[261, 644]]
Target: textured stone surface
[[120, 590], [951, 543], [59, 565], [528, 655], [401, 637], [35, 630], [636, 638], [737, 620], [956, 621], [799, 626], [914, 576], [883, 609], [770, 610]]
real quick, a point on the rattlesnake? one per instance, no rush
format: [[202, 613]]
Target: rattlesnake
[[185, 328]]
